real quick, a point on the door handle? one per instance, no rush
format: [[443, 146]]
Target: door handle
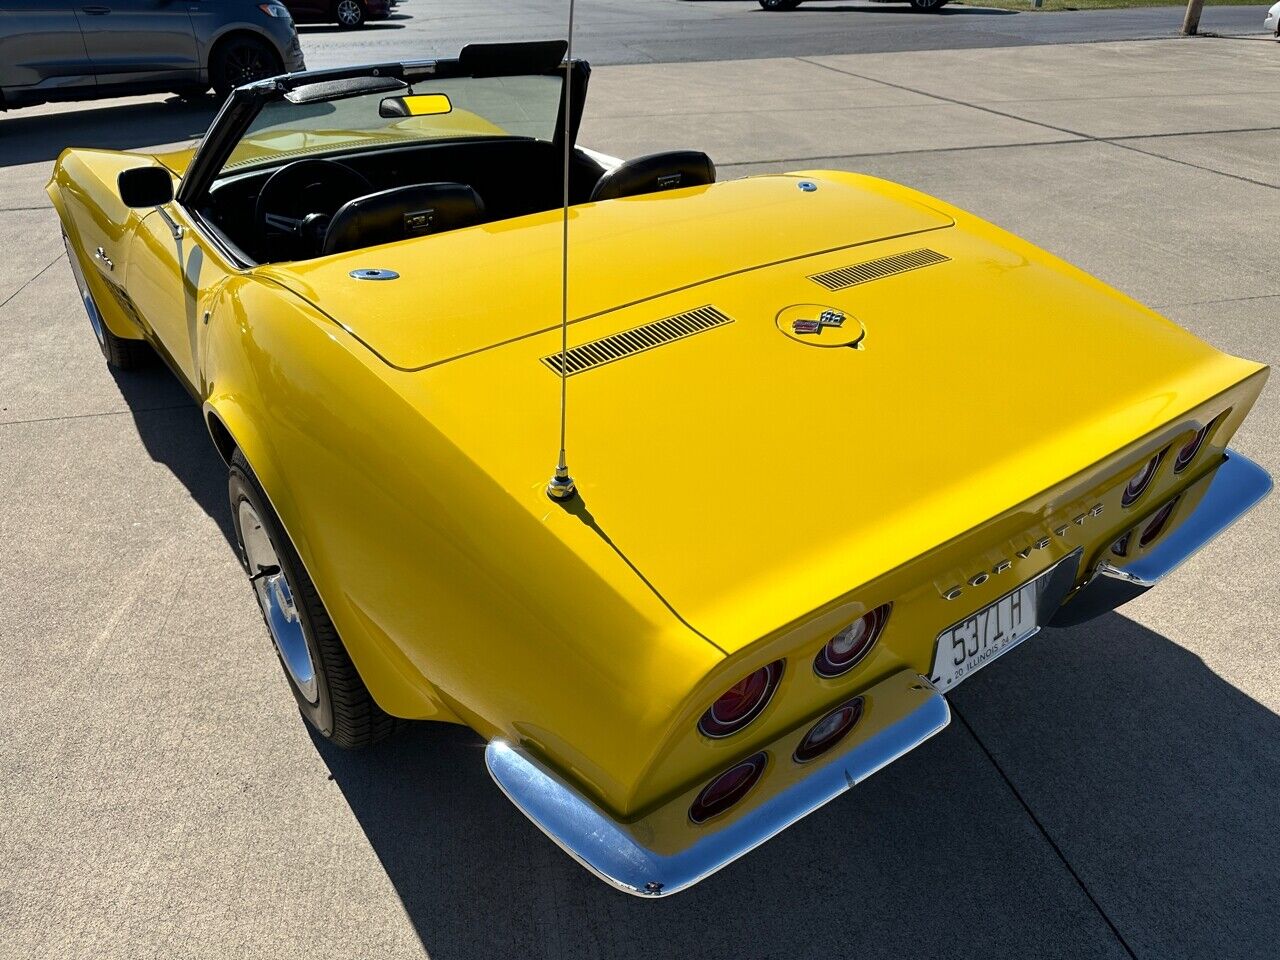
[[96, 11], [101, 256]]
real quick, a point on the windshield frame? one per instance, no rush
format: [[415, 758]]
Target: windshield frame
[[539, 58]]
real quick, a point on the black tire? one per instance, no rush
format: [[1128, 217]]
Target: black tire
[[927, 6], [120, 353], [779, 4], [343, 711], [125, 354], [240, 60], [349, 14]]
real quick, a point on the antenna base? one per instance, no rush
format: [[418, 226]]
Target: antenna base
[[561, 487]]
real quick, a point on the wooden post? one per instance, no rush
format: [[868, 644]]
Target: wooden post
[[1191, 22]]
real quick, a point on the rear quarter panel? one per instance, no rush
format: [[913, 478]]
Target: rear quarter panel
[[454, 600]]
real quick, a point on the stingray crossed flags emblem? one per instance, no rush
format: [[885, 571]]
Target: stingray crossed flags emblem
[[828, 318]]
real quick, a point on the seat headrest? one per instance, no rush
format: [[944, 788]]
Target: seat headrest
[[654, 172], [402, 212]]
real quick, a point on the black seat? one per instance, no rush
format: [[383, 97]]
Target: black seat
[[657, 171], [402, 212]]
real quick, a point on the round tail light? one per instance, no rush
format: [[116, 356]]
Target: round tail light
[[742, 702], [727, 789], [1189, 450], [1139, 482], [829, 731], [847, 648], [1155, 526], [1192, 446]]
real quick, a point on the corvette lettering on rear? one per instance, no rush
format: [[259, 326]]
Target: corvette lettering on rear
[[1005, 564]]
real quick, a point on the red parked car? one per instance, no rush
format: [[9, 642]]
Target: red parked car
[[345, 13]]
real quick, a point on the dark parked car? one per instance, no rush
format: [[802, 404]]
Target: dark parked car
[[87, 49], [345, 13]]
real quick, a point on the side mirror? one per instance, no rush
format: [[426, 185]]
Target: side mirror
[[415, 105], [145, 187]]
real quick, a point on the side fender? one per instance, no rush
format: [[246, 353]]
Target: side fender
[[83, 191], [251, 403]]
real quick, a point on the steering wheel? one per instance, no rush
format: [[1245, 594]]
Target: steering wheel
[[300, 198]]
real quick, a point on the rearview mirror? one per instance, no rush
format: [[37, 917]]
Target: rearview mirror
[[145, 187], [415, 105]]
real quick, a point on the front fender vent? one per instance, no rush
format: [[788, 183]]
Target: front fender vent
[[877, 269], [619, 346], [125, 302]]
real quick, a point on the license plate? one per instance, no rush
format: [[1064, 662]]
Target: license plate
[[966, 647]]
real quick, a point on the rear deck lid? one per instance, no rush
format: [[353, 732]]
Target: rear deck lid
[[467, 290]]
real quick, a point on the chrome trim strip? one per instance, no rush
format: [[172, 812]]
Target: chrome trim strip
[[609, 850], [1236, 487]]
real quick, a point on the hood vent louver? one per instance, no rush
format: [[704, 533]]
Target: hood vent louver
[[877, 269], [619, 346]]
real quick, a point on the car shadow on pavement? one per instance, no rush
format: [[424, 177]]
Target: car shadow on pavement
[[171, 428], [391, 23], [1156, 780], [36, 137]]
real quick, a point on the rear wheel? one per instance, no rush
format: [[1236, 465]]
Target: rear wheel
[[324, 681], [349, 13], [779, 4], [121, 353], [927, 6], [242, 60]]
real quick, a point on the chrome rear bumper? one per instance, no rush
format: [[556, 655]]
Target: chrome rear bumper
[[630, 856], [1236, 486]]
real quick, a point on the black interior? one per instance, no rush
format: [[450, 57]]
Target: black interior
[[656, 171], [400, 213], [507, 177]]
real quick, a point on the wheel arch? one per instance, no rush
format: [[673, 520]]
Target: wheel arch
[[238, 31], [223, 441]]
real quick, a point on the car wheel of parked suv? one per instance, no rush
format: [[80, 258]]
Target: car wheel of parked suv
[[349, 13], [242, 60]]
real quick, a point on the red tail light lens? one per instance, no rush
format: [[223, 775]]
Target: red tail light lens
[[1139, 482], [1192, 446], [1189, 450], [742, 702], [728, 788], [1155, 526], [847, 648], [829, 731]]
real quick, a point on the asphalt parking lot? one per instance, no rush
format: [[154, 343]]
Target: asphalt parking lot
[[664, 31], [1106, 791]]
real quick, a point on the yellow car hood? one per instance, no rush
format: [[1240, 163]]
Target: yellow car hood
[[462, 291]]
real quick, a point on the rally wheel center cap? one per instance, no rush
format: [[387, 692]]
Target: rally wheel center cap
[[819, 325]]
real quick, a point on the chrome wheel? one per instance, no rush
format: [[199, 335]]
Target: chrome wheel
[[275, 597], [91, 308], [350, 14]]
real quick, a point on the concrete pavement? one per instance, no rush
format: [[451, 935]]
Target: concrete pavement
[[1107, 791]]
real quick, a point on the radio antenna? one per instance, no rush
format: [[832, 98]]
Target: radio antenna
[[561, 486]]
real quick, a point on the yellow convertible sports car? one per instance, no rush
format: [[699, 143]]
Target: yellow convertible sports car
[[837, 445]]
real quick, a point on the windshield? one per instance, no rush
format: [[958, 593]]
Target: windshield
[[524, 106]]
